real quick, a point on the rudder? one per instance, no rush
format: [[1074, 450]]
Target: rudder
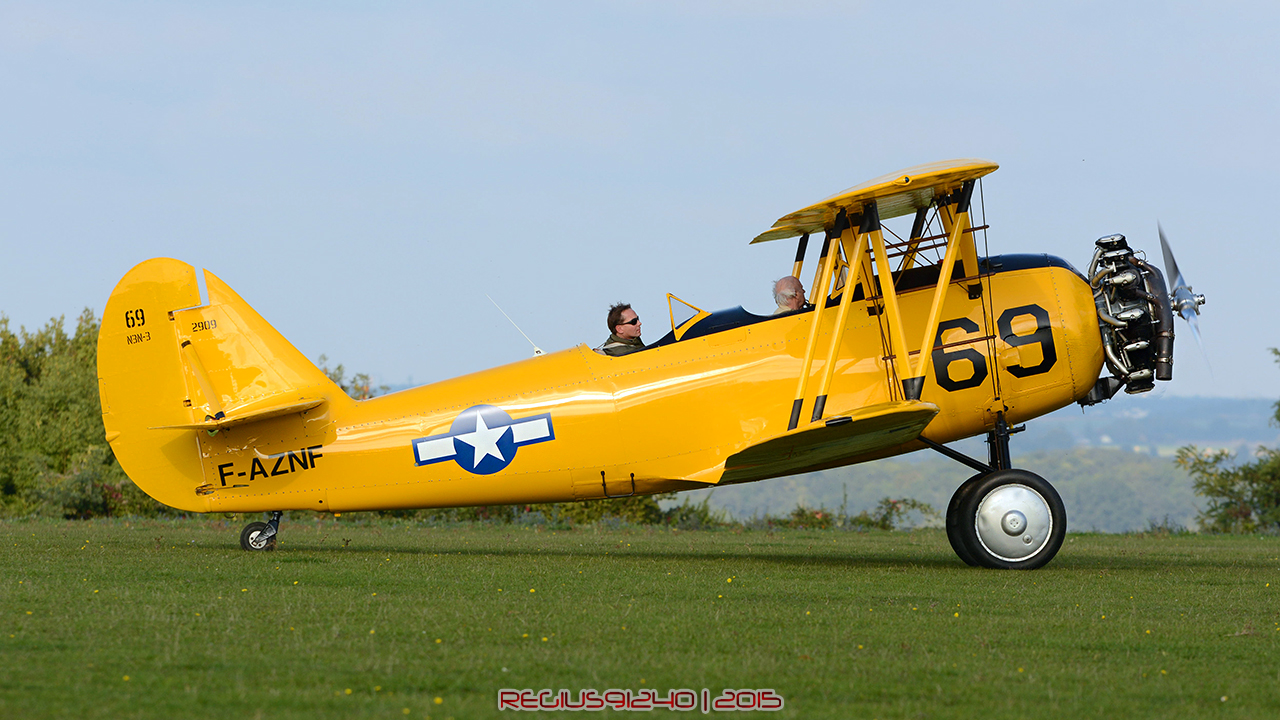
[[140, 380]]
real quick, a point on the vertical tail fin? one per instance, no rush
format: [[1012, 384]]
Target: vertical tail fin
[[170, 369]]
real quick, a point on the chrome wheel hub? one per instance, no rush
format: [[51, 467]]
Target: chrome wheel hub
[[1013, 522]]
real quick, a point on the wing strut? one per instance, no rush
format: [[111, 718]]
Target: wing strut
[[826, 263], [917, 232], [897, 336], [913, 382], [870, 226], [854, 246], [804, 245]]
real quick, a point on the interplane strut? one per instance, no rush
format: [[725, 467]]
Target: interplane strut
[[866, 260]]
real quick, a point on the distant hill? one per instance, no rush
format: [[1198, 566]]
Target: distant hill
[[1156, 425], [1112, 464]]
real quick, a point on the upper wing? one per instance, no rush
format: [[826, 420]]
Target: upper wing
[[894, 194]]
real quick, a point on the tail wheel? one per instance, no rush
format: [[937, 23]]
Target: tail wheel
[[953, 519], [1011, 520], [254, 538]]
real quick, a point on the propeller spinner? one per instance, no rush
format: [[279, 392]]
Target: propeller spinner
[[1185, 302]]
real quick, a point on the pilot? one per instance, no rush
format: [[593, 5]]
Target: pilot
[[789, 294], [625, 336]]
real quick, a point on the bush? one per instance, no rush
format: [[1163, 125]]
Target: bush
[[637, 509], [1242, 498], [1167, 526], [889, 514], [892, 514], [88, 489], [94, 486], [686, 516]]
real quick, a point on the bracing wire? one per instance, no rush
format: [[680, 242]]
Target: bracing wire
[[988, 312]]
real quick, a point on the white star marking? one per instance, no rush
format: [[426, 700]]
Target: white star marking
[[484, 440]]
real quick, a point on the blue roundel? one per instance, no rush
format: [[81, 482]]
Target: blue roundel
[[483, 439]]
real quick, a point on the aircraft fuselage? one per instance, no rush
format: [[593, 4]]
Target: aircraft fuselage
[[575, 425]]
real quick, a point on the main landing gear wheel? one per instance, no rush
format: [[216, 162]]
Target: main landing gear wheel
[[953, 519], [1009, 520], [261, 536]]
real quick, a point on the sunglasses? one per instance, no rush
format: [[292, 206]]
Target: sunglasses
[[632, 321]]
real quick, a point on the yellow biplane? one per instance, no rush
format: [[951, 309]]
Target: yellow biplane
[[913, 341]]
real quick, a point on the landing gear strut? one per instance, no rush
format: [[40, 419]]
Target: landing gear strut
[[261, 535], [1003, 518]]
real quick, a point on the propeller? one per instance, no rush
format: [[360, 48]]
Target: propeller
[[1185, 302]]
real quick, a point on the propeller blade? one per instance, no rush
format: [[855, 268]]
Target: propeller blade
[[1184, 301], [1170, 265], [1194, 322]]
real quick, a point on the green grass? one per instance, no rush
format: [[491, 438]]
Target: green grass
[[841, 624]]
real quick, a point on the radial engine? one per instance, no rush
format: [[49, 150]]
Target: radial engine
[[1136, 319]]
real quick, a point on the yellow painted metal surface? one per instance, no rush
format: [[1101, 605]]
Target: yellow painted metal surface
[[848, 435], [141, 383], [667, 418], [896, 194]]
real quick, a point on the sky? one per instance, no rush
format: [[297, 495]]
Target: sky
[[365, 174]]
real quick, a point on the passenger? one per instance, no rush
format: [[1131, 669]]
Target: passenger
[[625, 336], [788, 292]]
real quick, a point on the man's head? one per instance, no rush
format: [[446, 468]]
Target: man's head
[[789, 293], [623, 321]]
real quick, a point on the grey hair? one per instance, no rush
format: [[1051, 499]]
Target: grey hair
[[781, 296]]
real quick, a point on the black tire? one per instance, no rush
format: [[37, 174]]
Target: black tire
[[1012, 520], [249, 538], [953, 519]]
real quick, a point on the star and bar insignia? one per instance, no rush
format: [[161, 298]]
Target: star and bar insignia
[[483, 439]]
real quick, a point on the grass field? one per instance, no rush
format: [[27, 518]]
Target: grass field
[[170, 619]]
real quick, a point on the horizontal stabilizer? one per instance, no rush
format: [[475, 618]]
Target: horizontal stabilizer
[[840, 439], [260, 409]]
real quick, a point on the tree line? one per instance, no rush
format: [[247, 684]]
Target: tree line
[[54, 457]]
